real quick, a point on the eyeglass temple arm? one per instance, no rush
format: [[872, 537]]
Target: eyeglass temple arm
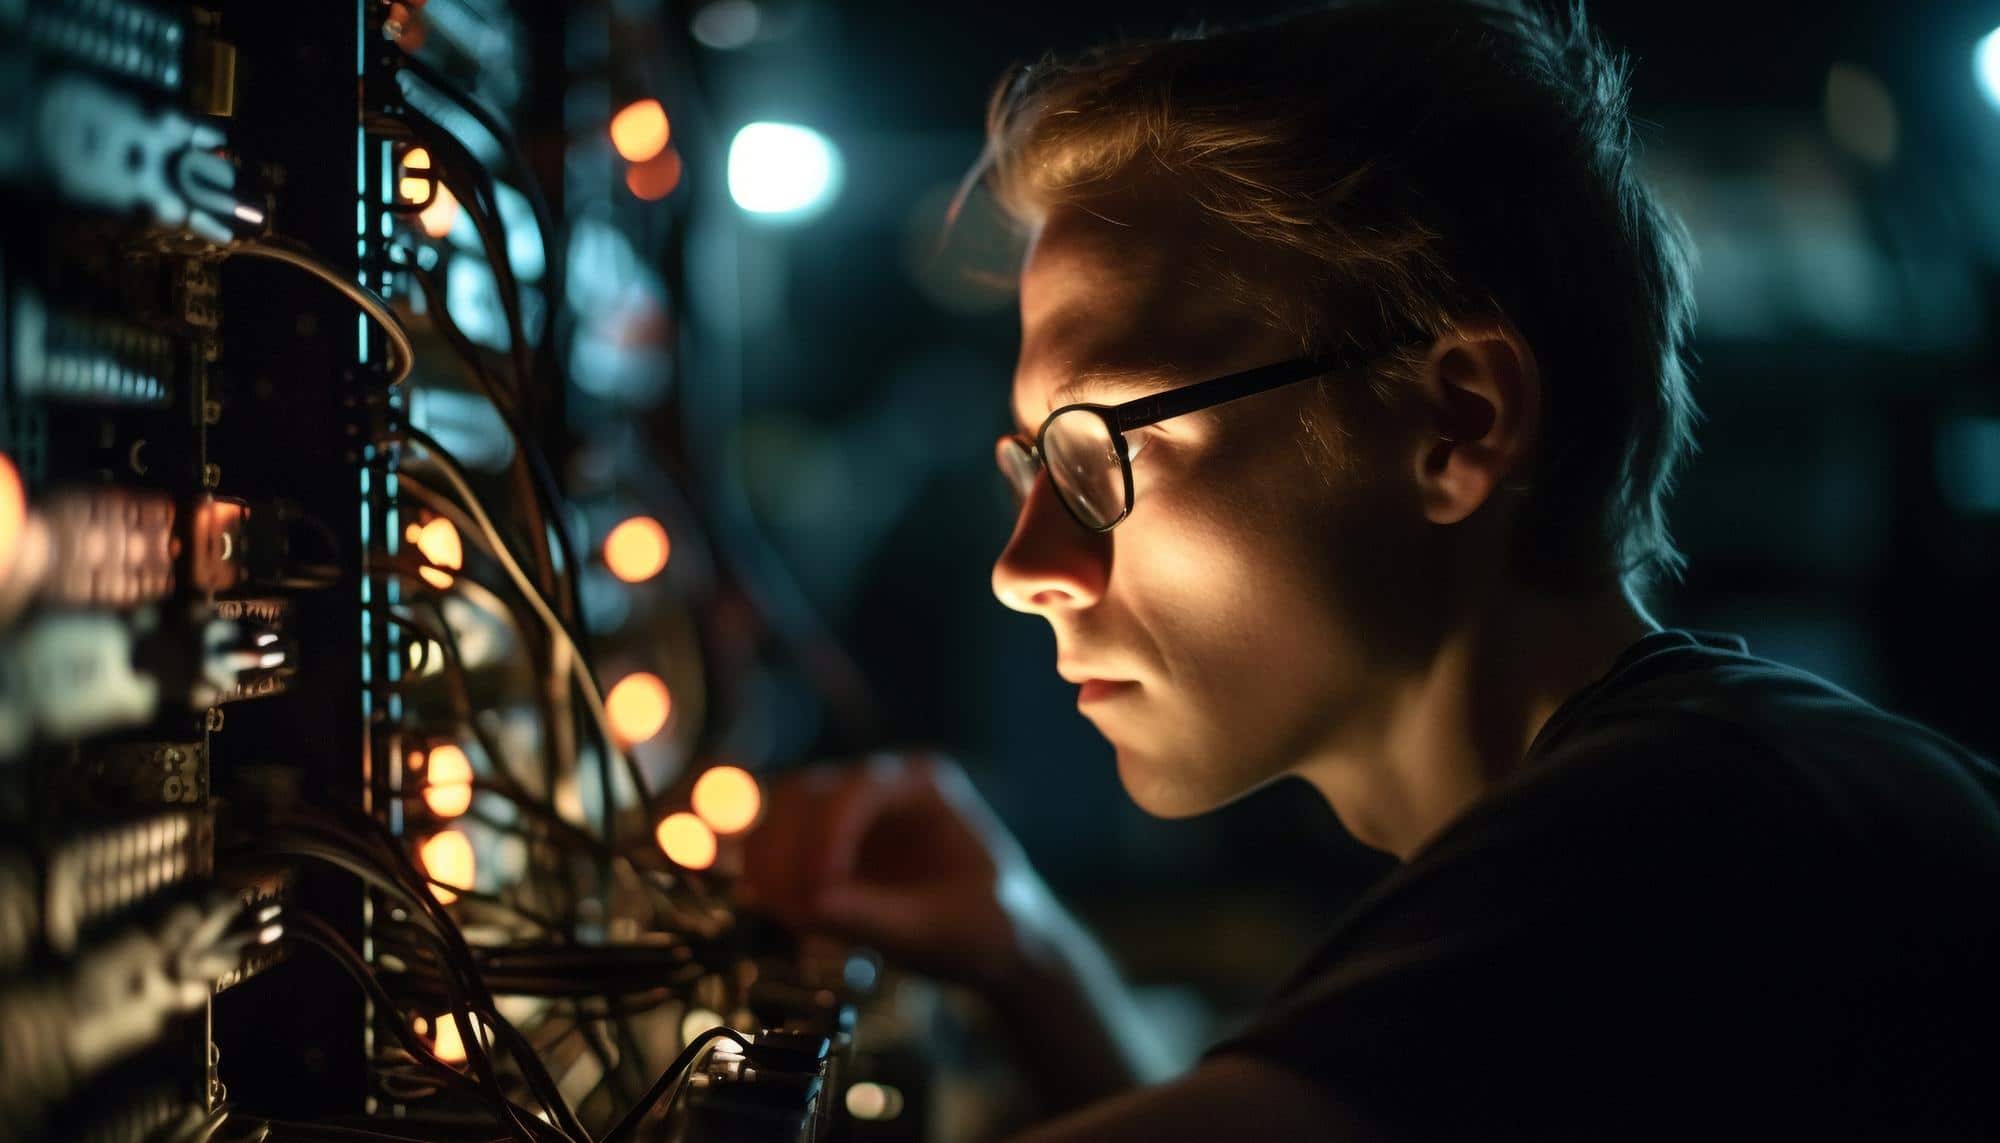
[[1143, 411]]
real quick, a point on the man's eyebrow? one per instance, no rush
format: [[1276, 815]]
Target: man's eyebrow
[[1103, 385], [1110, 384]]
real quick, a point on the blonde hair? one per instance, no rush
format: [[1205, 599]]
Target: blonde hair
[[1391, 169]]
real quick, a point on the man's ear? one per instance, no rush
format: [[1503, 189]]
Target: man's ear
[[1481, 395]]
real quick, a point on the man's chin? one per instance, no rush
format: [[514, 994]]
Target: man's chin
[[1166, 788]]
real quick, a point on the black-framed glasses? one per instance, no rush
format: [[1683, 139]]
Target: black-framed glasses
[[1083, 446]]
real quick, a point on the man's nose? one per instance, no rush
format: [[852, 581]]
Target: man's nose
[[1051, 563]]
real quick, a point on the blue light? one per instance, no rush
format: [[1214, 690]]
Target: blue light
[[782, 170], [1986, 67]]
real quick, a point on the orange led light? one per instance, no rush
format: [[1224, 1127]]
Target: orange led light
[[448, 781], [686, 841], [727, 798], [437, 219], [415, 184], [13, 513], [447, 857], [638, 706], [636, 550], [439, 543], [449, 1045], [639, 130], [655, 178]]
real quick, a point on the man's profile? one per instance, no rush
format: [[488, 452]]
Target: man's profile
[[1351, 388]]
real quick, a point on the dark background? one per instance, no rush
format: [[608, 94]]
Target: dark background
[[1836, 165]]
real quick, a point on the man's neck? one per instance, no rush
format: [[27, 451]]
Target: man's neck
[[1464, 722]]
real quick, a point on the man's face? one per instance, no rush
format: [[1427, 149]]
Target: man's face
[[1245, 616]]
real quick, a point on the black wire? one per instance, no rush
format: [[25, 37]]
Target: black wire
[[453, 941], [668, 1087], [556, 271], [321, 935], [502, 781], [526, 622], [400, 879], [470, 183], [339, 1133], [475, 189], [548, 489], [444, 459], [554, 251]]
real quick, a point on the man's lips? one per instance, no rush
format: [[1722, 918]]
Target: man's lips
[[1097, 690]]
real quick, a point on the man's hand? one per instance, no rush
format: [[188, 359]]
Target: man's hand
[[900, 853]]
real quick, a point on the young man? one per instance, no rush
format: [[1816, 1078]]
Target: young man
[[1378, 342]]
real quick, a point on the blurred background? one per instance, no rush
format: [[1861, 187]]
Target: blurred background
[[686, 262], [1835, 162]]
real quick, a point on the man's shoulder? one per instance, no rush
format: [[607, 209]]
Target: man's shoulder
[[1721, 881], [1793, 746]]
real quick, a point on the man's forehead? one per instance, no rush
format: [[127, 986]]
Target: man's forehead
[[1102, 255], [1113, 301]]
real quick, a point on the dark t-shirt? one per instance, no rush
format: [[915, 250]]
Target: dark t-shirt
[[1722, 899]]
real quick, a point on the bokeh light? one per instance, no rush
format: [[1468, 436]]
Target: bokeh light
[[636, 550], [440, 544], [448, 1046], [13, 512], [697, 1021], [1986, 67], [686, 840], [874, 1101], [448, 781], [441, 215], [726, 25], [782, 169], [727, 798], [639, 131], [447, 856], [655, 178], [417, 179], [638, 706]]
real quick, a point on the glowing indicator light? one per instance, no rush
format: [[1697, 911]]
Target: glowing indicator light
[[416, 183], [636, 550], [438, 218], [782, 169], [448, 781], [1986, 67], [13, 513], [449, 1045], [440, 544], [727, 798], [638, 706], [726, 24], [699, 1020], [447, 857], [874, 1101], [655, 178], [639, 131], [686, 841]]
